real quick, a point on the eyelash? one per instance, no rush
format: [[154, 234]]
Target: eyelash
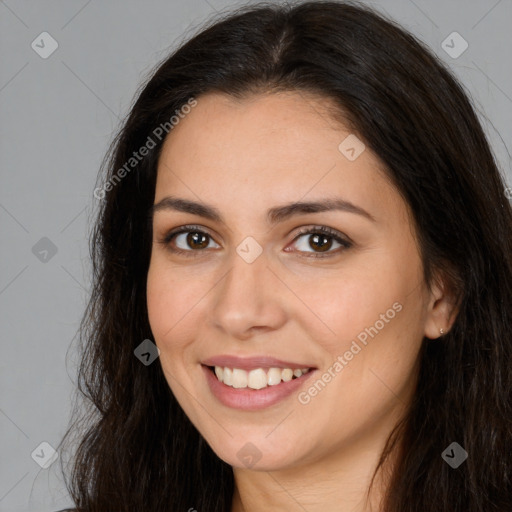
[[315, 230]]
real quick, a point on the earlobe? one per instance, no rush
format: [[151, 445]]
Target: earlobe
[[442, 311]]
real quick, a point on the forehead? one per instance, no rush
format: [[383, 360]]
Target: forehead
[[267, 149], [257, 131]]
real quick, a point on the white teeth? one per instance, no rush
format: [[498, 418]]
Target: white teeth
[[228, 377], [258, 378], [287, 374], [274, 376], [240, 378]]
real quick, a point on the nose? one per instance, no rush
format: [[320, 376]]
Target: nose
[[249, 299]]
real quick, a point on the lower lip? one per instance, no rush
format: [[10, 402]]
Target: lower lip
[[252, 399]]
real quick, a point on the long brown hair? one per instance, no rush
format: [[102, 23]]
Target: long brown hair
[[136, 449]]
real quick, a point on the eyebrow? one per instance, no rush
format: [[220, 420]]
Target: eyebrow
[[274, 215]]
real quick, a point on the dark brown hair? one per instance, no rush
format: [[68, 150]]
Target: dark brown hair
[[137, 449]]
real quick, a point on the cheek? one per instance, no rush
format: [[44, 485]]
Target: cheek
[[177, 305], [342, 304], [370, 361], [160, 302], [375, 311], [379, 343], [168, 301]]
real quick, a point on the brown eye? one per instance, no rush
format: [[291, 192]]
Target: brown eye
[[188, 240], [318, 242], [197, 239]]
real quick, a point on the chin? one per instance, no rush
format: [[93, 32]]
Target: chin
[[258, 453]]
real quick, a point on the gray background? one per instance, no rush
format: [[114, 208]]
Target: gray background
[[57, 116]]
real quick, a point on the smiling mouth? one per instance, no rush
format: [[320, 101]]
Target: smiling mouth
[[258, 378]]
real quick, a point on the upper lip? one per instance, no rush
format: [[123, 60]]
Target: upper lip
[[251, 363]]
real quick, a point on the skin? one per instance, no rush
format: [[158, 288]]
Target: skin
[[245, 157]]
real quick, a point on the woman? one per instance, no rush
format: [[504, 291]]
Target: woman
[[303, 281]]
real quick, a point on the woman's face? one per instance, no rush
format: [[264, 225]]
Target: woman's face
[[258, 288]]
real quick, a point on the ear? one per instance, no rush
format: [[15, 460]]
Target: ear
[[442, 308]]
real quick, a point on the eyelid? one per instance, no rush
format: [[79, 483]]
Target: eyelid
[[184, 229], [319, 228]]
